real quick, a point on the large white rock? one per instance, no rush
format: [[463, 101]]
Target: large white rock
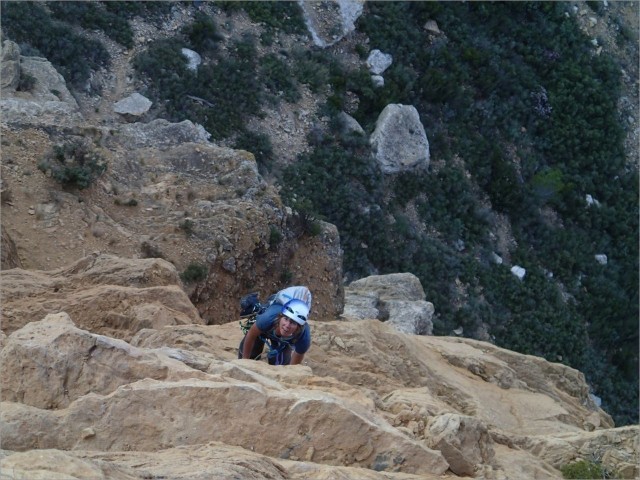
[[399, 141], [135, 105], [518, 272], [193, 58]]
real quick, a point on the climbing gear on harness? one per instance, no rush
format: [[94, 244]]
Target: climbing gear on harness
[[250, 308]]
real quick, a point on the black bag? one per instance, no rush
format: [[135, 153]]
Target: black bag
[[249, 304]]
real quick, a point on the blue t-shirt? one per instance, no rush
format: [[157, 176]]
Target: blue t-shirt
[[267, 323]]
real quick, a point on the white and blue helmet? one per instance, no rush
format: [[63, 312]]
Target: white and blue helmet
[[296, 310]]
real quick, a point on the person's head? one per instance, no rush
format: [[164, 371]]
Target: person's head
[[295, 314]]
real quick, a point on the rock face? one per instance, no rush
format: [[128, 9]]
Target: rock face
[[369, 402], [399, 142], [135, 105], [329, 21], [10, 75], [117, 297], [47, 103], [397, 299]]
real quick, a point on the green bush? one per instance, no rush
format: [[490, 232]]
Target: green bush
[[195, 272], [74, 56], [202, 33], [187, 226], [260, 145], [93, 15], [283, 15], [277, 77], [74, 164], [275, 236], [27, 82], [583, 469]]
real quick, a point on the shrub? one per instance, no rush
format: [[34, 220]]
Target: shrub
[[583, 469], [260, 145], [194, 272], [202, 33], [285, 16], [187, 226], [275, 236], [92, 15], [74, 56], [74, 164], [27, 82]]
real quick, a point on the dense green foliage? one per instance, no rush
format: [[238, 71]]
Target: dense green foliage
[[195, 272], [521, 77], [30, 25], [92, 15], [75, 164], [583, 469]]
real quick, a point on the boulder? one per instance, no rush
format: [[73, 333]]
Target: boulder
[[399, 142], [378, 62], [193, 58], [395, 298], [102, 293], [349, 124], [158, 133], [66, 363], [519, 272], [377, 81], [135, 105], [464, 441]]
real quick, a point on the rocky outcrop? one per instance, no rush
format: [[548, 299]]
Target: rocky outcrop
[[110, 296], [330, 21], [48, 101], [133, 107], [399, 142], [396, 298], [10, 65], [9, 253], [369, 402]]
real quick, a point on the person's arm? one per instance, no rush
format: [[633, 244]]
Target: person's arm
[[296, 358], [250, 340]]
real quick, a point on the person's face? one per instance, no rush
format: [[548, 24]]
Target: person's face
[[287, 326]]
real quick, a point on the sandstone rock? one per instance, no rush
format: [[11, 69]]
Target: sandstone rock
[[399, 142], [464, 442], [47, 104], [181, 387], [68, 363], [101, 293], [18, 111], [396, 298]]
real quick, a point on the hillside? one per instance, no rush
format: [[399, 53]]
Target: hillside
[[529, 111]]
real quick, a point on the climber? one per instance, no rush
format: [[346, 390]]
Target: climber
[[283, 327]]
